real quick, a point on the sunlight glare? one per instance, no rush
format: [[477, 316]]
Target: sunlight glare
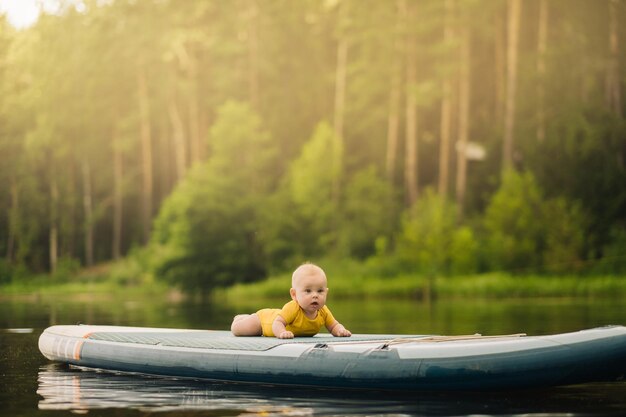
[[20, 13]]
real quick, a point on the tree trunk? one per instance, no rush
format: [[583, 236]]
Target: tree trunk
[[146, 153], [68, 228], [178, 139], [195, 131], [542, 39], [340, 86], [613, 87], [393, 118], [12, 220], [88, 208], [613, 93], [118, 196], [340, 99], [393, 123], [463, 134], [514, 12], [203, 126], [53, 236], [446, 109], [411, 157], [253, 54], [500, 70], [188, 65]]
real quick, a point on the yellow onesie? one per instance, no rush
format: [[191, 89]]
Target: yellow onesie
[[297, 322]]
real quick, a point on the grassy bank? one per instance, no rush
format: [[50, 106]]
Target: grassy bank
[[103, 280], [494, 285], [42, 288], [127, 278]]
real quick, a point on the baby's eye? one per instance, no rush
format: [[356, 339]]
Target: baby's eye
[[307, 291]]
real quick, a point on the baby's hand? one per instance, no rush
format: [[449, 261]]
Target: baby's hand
[[340, 331], [286, 335]]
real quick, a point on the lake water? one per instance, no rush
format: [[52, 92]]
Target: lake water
[[30, 385]]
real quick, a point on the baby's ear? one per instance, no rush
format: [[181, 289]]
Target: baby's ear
[[292, 292]]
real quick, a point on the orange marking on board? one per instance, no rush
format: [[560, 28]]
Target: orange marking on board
[[77, 349], [87, 335]]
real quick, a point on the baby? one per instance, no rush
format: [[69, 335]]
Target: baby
[[304, 315]]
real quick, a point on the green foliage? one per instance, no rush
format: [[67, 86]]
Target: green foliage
[[565, 225], [613, 259], [312, 177], [242, 149], [582, 160], [368, 213], [514, 226], [310, 228], [527, 232], [205, 235], [133, 270], [347, 278], [66, 268], [362, 284], [430, 242], [282, 236], [464, 252], [150, 78], [26, 221], [217, 246], [6, 272], [504, 285]]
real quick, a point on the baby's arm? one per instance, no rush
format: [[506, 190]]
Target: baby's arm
[[278, 327], [337, 330]]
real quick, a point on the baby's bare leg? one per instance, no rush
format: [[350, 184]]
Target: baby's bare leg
[[246, 325], [240, 317]]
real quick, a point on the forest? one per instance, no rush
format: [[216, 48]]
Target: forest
[[226, 141]]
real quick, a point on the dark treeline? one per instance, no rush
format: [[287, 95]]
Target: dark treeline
[[234, 138]]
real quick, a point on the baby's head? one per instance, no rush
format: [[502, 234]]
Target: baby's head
[[306, 272], [309, 288]]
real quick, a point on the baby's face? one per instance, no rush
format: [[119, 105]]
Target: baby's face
[[310, 291]]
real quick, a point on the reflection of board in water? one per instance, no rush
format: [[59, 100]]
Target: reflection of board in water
[[363, 361], [80, 390], [76, 389]]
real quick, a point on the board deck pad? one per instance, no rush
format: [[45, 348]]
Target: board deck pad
[[224, 339]]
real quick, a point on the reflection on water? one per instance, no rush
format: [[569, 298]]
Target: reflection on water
[[31, 385], [82, 390], [74, 389], [19, 331]]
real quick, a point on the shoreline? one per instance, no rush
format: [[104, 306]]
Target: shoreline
[[492, 285]]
